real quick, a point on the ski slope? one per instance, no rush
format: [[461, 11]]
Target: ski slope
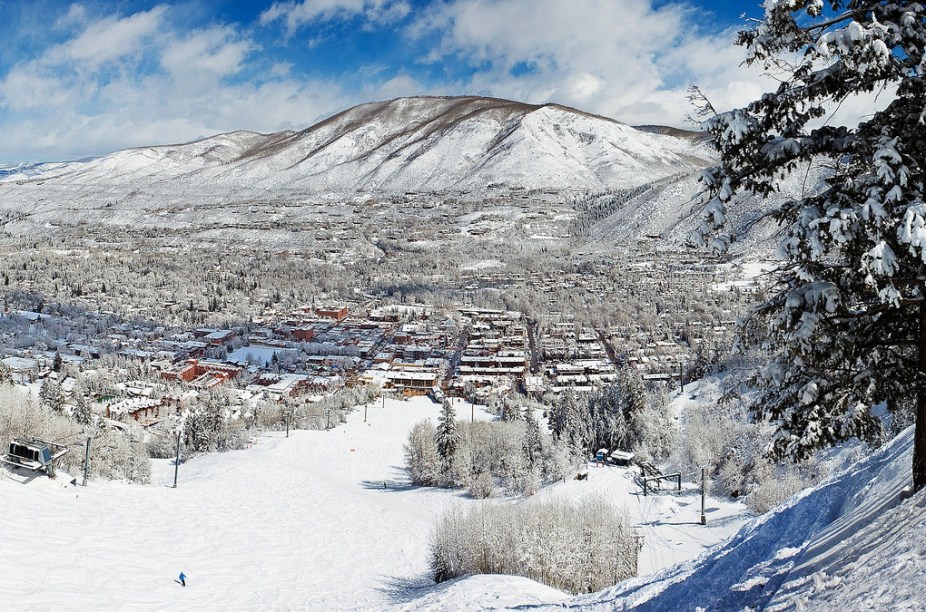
[[325, 521], [322, 520]]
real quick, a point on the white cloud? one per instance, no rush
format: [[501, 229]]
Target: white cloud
[[216, 51], [109, 38], [148, 78], [87, 97], [24, 88], [77, 14], [298, 14], [396, 87], [629, 60]]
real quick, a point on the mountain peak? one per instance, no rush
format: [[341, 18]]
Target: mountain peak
[[426, 143]]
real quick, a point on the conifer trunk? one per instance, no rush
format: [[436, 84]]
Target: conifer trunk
[[919, 434]]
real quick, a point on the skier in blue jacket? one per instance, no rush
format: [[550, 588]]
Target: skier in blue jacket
[[182, 579]]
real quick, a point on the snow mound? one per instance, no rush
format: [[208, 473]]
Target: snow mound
[[485, 592]]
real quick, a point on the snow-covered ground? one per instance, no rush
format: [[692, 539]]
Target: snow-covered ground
[[851, 543], [326, 520], [319, 520]]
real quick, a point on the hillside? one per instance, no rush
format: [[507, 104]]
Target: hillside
[[670, 210], [268, 527]]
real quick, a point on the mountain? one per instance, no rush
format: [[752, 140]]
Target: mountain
[[22, 169], [421, 144], [434, 170]]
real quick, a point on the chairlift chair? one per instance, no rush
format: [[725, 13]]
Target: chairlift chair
[[34, 454]]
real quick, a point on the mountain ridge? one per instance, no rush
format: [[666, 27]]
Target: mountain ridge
[[418, 144]]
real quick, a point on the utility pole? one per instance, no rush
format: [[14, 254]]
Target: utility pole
[[681, 376], [327, 419], [87, 461], [365, 411], [177, 460], [703, 492], [288, 414]]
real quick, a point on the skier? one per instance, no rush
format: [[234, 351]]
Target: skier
[[182, 580]]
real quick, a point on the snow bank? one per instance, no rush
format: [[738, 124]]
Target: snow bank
[[838, 545]]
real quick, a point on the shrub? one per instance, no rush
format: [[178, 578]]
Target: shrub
[[481, 485], [578, 548], [421, 456], [490, 450]]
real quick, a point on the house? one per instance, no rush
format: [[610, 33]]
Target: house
[[284, 384], [338, 313], [143, 410], [414, 382], [204, 374], [219, 337], [304, 333]]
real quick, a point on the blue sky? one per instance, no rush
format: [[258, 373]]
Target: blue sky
[[80, 79]]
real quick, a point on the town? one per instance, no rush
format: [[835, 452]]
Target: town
[[144, 371]]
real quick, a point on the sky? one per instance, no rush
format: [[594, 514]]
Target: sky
[[83, 79]]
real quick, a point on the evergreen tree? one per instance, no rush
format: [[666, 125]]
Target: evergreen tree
[[846, 325], [446, 437], [196, 431], [511, 410], [82, 412], [215, 415], [533, 439], [56, 362], [559, 410], [607, 427], [51, 394]]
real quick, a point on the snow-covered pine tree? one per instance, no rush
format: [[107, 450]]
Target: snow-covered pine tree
[[608, 419], [215, 420], [847, 323], [533, 438], [82, 412], [196, 430], [569, 421], [511, 409], [51, 394], [446, 437], [556, 414]]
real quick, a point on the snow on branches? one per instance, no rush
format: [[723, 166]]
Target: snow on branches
[[842, 330]]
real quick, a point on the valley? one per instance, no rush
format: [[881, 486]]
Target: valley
[[400, 261]]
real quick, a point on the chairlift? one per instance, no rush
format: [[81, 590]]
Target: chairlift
[[34, 454]]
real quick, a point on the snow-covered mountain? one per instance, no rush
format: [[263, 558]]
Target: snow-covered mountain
[[411, 144], [23, 170]]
